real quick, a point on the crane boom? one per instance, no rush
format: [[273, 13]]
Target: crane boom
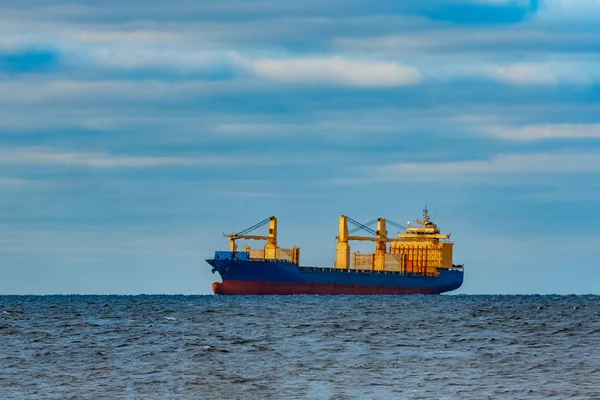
[[361, 226], [270, 248], [250, 237], [254, 227]]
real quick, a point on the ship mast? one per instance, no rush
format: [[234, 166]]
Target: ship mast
[[426, 217]]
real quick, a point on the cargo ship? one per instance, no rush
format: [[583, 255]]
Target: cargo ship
[[418, 261]]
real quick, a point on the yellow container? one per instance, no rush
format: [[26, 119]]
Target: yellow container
[[364, 261]]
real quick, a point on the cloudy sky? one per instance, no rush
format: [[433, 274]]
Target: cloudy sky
[[133, 134]]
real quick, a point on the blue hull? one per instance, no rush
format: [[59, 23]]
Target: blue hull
[[244, 276]]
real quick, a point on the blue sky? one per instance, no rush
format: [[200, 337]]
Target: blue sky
[[133, 134]]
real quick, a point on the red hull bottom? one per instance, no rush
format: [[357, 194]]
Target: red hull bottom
[[285, 288]]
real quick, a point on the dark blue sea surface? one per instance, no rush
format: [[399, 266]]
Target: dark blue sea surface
[[300, 347]]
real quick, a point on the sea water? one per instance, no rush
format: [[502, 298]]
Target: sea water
[[300, 347]]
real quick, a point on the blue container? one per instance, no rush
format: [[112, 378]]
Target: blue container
[[232, 255]]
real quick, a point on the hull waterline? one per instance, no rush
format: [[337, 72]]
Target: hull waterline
[[284, 278]]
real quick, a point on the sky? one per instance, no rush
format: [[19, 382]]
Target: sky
[[134, 134]]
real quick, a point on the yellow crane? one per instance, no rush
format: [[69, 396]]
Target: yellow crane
[[270, 248], [271, 251], [380, 238]]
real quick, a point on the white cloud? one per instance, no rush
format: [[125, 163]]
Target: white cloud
[[546, 73], [141, 36], [524, 74], [57, 157], [322, 128], [511, 169], [436, 46], [131, 57], [547, 131], [540, 73], [444, 41], [337, 70], [501, 164], [553, 57], [36, 91], [568, 10], [45, 156], [10, 182]]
